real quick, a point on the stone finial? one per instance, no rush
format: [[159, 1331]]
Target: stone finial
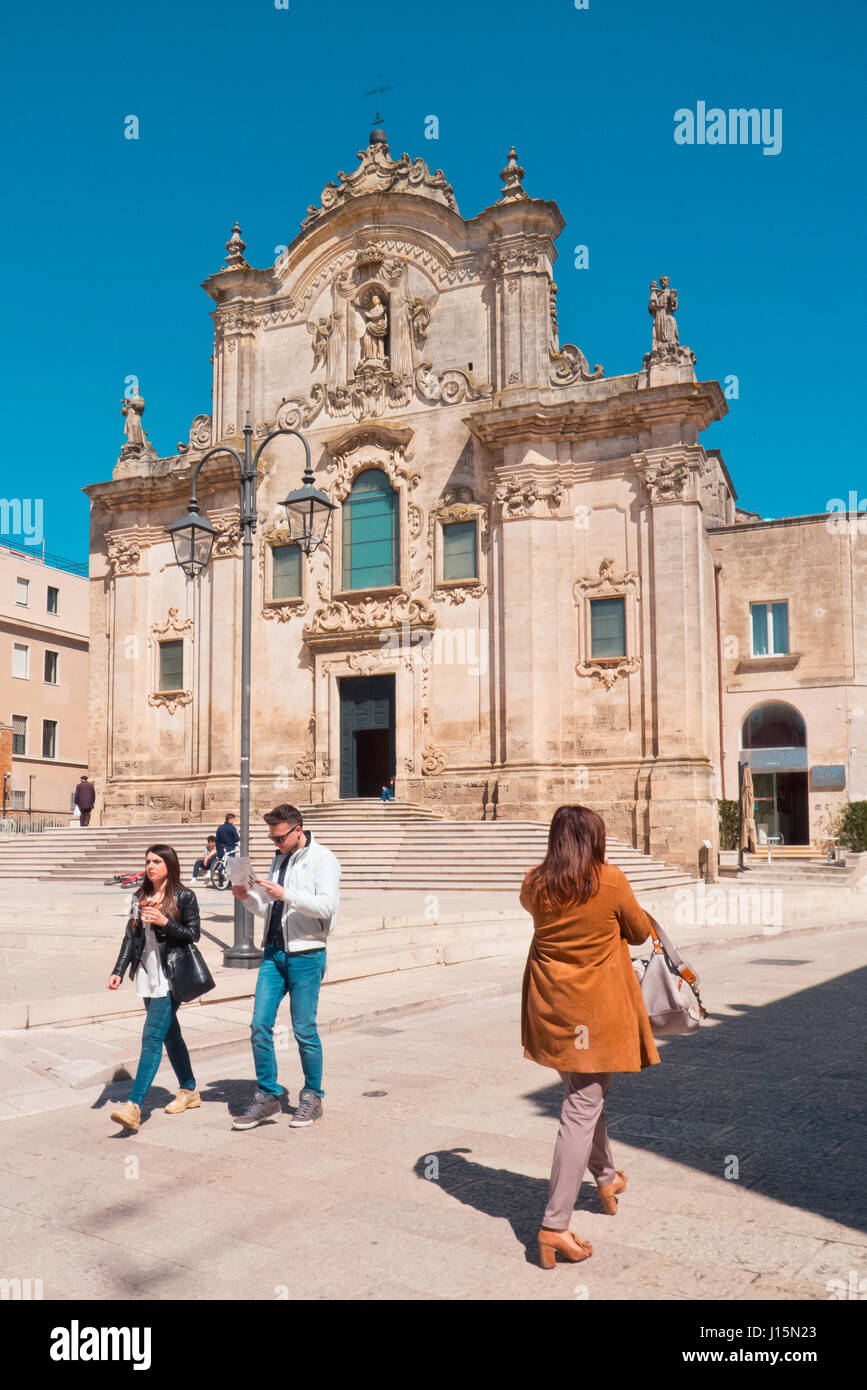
[[512, 177], [236, 246]]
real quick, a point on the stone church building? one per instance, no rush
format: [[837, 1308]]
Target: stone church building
[[517, 604]]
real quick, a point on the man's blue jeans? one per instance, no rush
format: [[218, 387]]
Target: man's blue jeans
[[298, 974], [161, 1026]]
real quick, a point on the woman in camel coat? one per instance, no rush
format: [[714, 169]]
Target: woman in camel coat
[[582, 1012]]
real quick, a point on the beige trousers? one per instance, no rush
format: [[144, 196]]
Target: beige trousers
[[582, 1142]]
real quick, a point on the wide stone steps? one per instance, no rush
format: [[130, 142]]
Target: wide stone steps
[[379, 846]]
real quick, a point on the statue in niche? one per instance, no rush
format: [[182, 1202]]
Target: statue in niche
[[663, 302], [373, 339], [321, 333]]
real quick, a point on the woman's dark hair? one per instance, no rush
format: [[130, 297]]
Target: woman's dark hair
[[173, 881], [569, 873]]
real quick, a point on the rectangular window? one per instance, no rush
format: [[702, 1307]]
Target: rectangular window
[[17, 798], [171, 665], [22, 591], [51, 660], [607, 627], [49, 738], [770, 624], [21, 661], [52, 601], [19, 735], [286, 571], [459, 550]]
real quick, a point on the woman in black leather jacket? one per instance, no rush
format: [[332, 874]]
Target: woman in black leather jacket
[[164, 914]]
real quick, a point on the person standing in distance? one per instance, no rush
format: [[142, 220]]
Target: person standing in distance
[[303, 889], [227, 835]]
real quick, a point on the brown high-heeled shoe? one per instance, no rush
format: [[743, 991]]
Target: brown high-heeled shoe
[[565, 1243], [608, 1194]]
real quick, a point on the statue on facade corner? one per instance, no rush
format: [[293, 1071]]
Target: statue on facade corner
[[132, 408], [663, 302]]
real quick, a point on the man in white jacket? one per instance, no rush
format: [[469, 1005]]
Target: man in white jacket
[[299, 903]]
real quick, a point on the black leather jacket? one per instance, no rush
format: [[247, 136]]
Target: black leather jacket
[[177, 932]]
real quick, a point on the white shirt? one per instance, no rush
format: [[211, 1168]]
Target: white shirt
[[311, 896], [150, 978]]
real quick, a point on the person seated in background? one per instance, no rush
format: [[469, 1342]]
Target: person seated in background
[[227, 835], [207, 858], [388, 790]]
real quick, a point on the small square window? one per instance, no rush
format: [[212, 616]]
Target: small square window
[[21, 661], [49, 738], [22, 591], [19, 735], [52, 600], [286, 571], [460, 560], [51, 661], [171, 665], [607, 627]]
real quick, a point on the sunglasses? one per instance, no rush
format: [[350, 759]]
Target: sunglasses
[[278, 839]]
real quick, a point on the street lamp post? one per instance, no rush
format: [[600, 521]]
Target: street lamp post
[[192, 536]]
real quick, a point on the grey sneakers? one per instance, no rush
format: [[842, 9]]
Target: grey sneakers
[[261, 1107], [308, 1109]]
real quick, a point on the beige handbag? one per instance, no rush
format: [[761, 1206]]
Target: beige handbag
[[669, 987]]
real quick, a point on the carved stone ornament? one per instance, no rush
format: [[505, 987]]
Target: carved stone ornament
[[123, 555], [374, 448], [170, 700], [200, 435], [450, 386], [367, 614], [227, 534], [512, 177], [670, 476], [364, 663], [607, 584], [379, 173], [570, 365], [518, 498], [608, 672], [305, 767], [433, 759], [172, 624]]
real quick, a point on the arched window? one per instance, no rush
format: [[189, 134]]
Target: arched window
[[370, 533], [774, 725]]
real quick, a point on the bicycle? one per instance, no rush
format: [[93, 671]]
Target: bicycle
[[220, 876]]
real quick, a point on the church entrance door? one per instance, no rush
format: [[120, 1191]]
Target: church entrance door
[[367, 758]]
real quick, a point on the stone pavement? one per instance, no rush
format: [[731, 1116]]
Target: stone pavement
[[427, 1175]]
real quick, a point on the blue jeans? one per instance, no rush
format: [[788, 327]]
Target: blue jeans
[[298, 974], [161, 1026]]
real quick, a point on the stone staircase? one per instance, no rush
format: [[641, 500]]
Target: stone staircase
[[393, 846]]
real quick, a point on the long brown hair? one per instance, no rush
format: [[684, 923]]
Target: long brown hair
[[569, 873], [173, 879]]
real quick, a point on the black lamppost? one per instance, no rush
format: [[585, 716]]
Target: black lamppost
[[192, 536]]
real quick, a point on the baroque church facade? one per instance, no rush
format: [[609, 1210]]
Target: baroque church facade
[[515, 606]]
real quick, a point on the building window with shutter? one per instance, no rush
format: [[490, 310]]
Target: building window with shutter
[[460, 550], [19, 735], [21, 661], [49, 738], [285, 572], [51, 667], [770, 629], [607, 627], [370, 533], [52, 601], [22, 592], [171, 666]]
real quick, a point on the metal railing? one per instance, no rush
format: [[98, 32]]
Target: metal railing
[[45, 557]]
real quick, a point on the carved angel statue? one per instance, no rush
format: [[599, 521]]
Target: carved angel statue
[[418, 313], [321, 332], [663, 302], [375, 331], [131, 408]]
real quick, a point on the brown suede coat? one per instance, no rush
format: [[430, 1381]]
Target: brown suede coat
[[579, 976]]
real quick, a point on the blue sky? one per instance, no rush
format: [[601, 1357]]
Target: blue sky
[[246, 111]]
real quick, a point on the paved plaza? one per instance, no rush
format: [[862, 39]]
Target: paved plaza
[[427, 1175]]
